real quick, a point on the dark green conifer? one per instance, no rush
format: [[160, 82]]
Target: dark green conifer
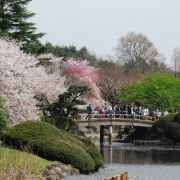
[[14, 22]]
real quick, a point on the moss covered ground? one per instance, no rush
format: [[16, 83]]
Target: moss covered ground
[[14, 163]]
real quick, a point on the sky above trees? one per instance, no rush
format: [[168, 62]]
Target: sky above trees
[[99, 24]]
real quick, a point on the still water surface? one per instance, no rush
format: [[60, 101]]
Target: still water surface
[[141, 162]]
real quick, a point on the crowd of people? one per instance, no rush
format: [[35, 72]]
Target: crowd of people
[[108, 110], [128, 109]]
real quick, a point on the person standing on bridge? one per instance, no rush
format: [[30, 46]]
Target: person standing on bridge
[[89, 110], [110, 111], [117, 111], [129, 109]]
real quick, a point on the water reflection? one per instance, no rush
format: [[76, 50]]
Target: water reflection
[[131, 154], [141, 162]]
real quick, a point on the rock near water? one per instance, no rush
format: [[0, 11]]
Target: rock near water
[[57, 171]]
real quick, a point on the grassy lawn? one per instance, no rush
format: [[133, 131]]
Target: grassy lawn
[[14, 162]]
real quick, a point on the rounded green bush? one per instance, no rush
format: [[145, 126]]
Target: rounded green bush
[[52, 143], [168, 127], [3, 118], [90, 149], [177, 118], [3, 122]]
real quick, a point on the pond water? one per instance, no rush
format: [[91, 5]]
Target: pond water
[[141, 162]]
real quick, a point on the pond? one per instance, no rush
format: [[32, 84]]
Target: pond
[[140, 161]]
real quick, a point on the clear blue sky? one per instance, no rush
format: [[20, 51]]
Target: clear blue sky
[[98, 24]]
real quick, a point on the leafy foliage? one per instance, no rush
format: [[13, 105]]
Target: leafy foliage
[[51, 143], [177, 118], [90, 148], [3, 118], [168, 127], [70, 52], [157, 90], [62, 112]]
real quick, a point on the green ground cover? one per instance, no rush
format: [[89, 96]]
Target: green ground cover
[[51, 143], [13, 162]]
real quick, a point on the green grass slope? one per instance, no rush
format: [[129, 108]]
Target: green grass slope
[[52, 143], [12, 162]]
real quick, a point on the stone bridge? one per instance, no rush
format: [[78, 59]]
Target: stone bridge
[[110, 120]]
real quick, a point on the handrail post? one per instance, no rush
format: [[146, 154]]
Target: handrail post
[[133, 119], [110, 134], [89, 119], [101, 134]]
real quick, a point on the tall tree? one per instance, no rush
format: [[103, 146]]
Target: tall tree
[[14, 22], [136, 52], [111, 77], [176, 62]]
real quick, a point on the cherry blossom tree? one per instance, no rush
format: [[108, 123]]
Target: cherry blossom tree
[[23, 77], [21, 80], [81, 72]]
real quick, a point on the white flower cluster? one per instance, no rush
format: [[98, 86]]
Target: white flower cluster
[[21, 80]]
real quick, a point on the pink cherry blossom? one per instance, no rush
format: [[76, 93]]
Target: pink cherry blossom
[[21, 80], [82, 70]]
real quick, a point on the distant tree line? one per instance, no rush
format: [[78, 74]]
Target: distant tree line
[[134, 51], [69, 52]]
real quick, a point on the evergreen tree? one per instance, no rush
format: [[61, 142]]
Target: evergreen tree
[[69, 52], [14, 22], [62, 112]]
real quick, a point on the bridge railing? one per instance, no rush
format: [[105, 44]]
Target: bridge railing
[[114, 117]]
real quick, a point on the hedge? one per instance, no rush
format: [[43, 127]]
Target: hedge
[[3, 118], [177, 118], [169, 127], [52, 143]]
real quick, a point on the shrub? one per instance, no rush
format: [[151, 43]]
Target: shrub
[[177, 118], [168, 127], [3, 119], [86, 143], [3, 122], [52, 143]]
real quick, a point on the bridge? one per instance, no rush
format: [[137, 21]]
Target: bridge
[[109, 120]]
